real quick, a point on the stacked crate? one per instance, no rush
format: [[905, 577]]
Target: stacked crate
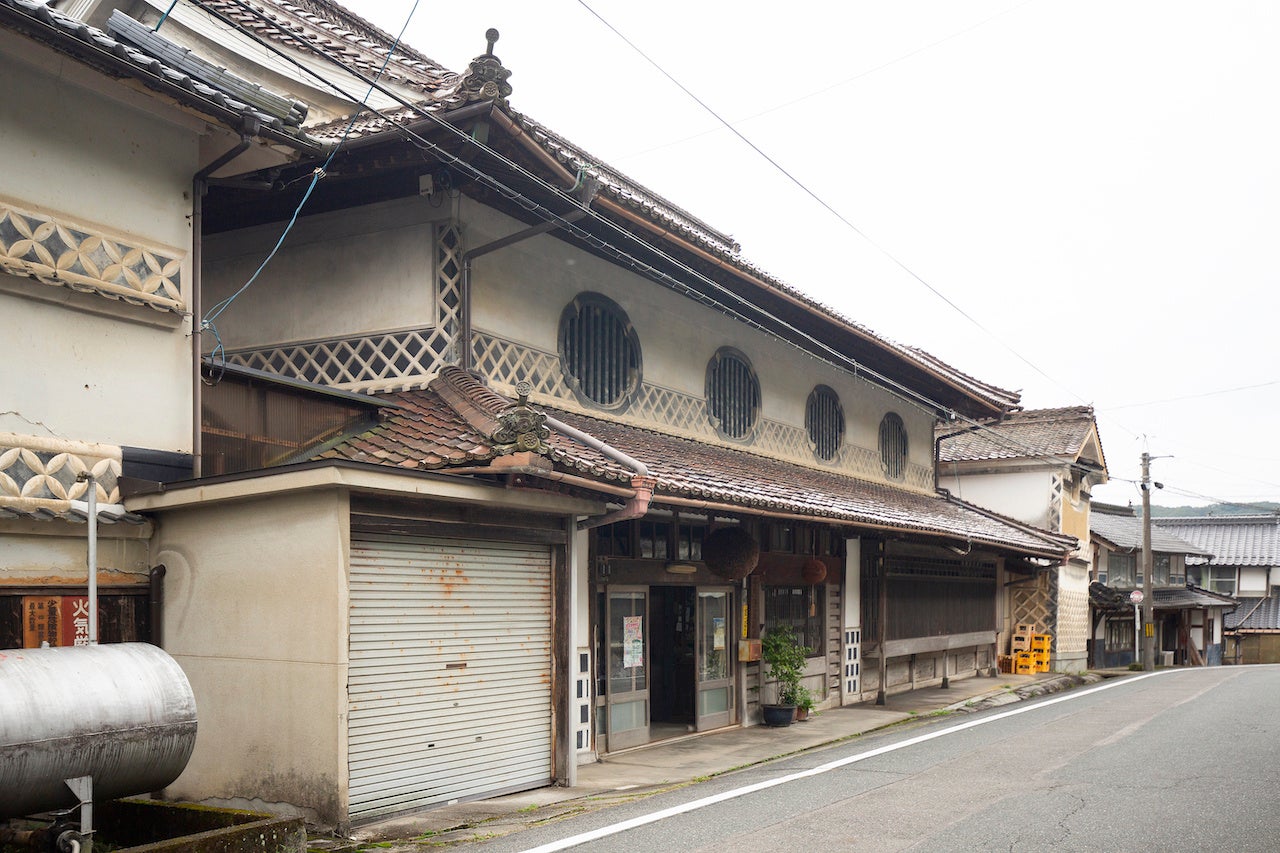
[[1040, 651], [1024, 662]]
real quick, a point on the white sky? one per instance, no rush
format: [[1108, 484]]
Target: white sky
[[1096, 183]]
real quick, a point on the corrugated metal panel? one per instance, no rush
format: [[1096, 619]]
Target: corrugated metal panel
[[450, 671]]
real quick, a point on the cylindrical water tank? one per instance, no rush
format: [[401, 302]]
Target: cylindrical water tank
[[122, 713]]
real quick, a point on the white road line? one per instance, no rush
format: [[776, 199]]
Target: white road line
[[694, 805]]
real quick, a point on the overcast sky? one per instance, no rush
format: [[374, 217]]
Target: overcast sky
[[1093, 185]]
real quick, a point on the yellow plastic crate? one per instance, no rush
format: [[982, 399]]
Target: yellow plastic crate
[[1020, 642], [1041, 642]]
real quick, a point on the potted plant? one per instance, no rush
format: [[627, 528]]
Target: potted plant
[[782, 651], [804, 704]]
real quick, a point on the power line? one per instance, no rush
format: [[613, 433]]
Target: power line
[[316, 175], [821, 201], [1199, 396], [838, 84], [840, 361]]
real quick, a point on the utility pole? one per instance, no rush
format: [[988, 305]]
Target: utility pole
[[1148, 598]]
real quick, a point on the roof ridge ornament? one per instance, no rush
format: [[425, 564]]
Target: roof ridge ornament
[[521, 427], [486, 78]]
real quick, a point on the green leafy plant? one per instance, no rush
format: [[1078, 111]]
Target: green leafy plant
[[782, 651]]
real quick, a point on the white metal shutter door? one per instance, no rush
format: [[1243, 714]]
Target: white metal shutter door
[[449, 687]]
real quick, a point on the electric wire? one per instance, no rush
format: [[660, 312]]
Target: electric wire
[[218, 308], [821, 201], [832, 87], [840, 361], [904, 393]]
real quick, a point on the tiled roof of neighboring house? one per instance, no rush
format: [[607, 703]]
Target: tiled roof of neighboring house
[[1125, 532], [1255, 615], [1059, 433], [1103, 597], [314, 26], [111, 514], [225, 99], [358, 42], [1234, 540], [453, 420]]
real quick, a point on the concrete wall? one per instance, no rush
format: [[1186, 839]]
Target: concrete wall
[[256, 615]]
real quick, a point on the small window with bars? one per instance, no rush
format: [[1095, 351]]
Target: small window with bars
[[599, 351], [893, 446], [733, 393], [824, 421]]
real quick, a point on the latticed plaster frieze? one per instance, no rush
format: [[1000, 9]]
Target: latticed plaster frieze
[[59, 252], [1034, 602], [406, 359], [506, 363], [38, 473]]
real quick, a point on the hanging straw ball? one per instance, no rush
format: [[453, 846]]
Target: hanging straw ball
[[814, 571], [730, 552]]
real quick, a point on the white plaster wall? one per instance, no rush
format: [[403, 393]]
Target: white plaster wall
[[91, 377], [56, 553], [336, 275], [1253, 580], [256, 615], [520, 292], [68, 150], [1071, 652], [70, 153], [1023, 495]]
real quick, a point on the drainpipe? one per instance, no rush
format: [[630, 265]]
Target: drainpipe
[[589, 190], [199, 186], [156, 578]]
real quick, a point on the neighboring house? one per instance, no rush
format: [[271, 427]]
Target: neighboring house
[[1037, 466], [505, 462], [101, 145], [1188, 618], [1245, 564]]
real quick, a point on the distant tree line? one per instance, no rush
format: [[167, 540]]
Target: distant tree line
[[1256, 508]]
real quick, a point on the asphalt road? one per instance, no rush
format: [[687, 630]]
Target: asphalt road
[[1179, 760]]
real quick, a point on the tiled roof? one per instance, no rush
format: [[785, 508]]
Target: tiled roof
[[1255, 614], [1059, 433], [1125, 531], [1103, 597], [1240, 540], [118, 58], [360, 43], [450, 422], [111, 514], [314, 25]]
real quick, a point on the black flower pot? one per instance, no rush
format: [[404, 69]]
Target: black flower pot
[[778, 715]]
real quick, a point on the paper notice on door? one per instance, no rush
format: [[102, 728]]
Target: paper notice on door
[[632, 641], [717, 633]]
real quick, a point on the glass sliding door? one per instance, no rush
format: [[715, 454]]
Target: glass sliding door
[[715, 661], [627, 704]]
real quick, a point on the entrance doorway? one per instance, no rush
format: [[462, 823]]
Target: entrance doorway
[[668, 666], [672, 614]]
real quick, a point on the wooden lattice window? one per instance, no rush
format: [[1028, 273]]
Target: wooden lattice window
[[824, 420], [599, 351], [893, 446], [733, 393]]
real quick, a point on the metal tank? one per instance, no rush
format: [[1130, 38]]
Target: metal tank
[[122, 713]]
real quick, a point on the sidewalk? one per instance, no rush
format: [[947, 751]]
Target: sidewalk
[[670, 763]]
